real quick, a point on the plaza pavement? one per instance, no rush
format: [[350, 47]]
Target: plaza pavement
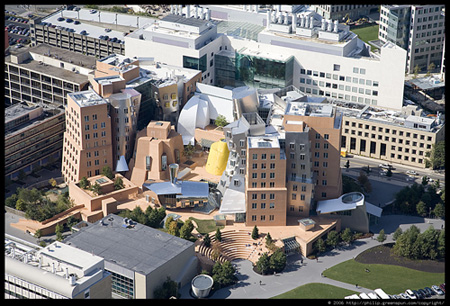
[[297, 274]]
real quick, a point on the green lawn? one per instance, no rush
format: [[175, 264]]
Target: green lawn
[[316, 291], [367, 33], [392, 279], [205, 226]]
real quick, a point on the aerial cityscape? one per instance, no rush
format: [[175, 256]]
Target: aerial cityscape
[[225, 152]]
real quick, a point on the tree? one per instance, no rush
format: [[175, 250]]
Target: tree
[[218, 235], [96, 189], [52, 182], [277, 261], [223, 274], [118, 183], [416, 71], [188, 151], [320, 245], [84, 182], [263, 264], [381, 236], [333, 239], [441, 244], [397, 233], [221, 121], [58, 231], [207, 241], [421, 209], [437, 155], [269, 239], [404, 244], [255, 233], [186, 230], [439, 210], [346, 235], [173, 228], [106, 171], [215, 253]]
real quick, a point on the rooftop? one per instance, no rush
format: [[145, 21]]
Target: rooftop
[[263, 142], [97, 22], [139, 248], [87, 98]]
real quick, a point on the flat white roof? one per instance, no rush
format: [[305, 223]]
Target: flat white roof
[[104, 18], [262, 142]]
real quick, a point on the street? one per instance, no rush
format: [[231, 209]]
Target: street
[[357, 163]]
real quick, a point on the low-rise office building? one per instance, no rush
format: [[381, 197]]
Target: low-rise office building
[[402, 137], [45, 74], [33, 137], [140, 258], [58, 271]]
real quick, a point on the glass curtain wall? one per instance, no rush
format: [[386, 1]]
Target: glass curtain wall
[[258, 72]]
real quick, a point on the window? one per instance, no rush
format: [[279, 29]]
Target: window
[[336, 67]]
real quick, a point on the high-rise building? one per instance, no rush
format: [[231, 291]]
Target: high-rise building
[[419, 29], [265, 184], [87, 139]]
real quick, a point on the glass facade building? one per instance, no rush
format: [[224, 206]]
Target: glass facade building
[[241, 69]]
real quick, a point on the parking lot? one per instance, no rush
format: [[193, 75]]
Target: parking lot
[[18, 28]]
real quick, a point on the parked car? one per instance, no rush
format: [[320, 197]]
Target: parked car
[[76, 22], [437, 290], [83, 32], [418, 294], [424, 293], [442, 286], [411, 172], [60, 19], [107, 30], [93, 11], [69, 20], [403, 296], [383, 173], [409, 293], [430, 292]]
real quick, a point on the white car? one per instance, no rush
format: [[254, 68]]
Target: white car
[[410, 294], [437, 290], [385, 166], [411, 172], [410, 178]]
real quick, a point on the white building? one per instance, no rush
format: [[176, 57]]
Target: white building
[[58, 271], [318, 56]]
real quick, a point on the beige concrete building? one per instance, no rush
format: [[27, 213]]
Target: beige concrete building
[[157, 146], [87, 139], [105, 202], [265, 190], [45, 74], [397, 137], [112, 75]]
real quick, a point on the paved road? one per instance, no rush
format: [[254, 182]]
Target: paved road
[[297, 274]]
